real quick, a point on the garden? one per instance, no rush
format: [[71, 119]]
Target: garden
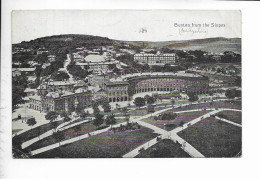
[[214, 138]]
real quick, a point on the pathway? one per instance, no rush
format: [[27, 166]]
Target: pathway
[[173, 135], [44, 149], [230, 122], [50, 132], [190, 150]]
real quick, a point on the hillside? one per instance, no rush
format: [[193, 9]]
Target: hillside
[[71, 41], [215, 45]]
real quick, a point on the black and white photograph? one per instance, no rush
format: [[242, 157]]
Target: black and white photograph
[[126, 84]]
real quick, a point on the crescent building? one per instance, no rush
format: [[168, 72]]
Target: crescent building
[[121, 89]]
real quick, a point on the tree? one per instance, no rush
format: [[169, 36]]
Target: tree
[[168, 116], [54, 125], [95, 108], [146, 97], [181, 123], [99, 119], [192, 97], [51, 116], [238, 81], [150, 100], [110, 120], [79, 108], [85, 115], [139, 101], [66, 119], [106, 106], [173, 102], [211, 93], [19, 83], [116, 70], [230, 93], [31, 122], [155, 96], [60, 76]]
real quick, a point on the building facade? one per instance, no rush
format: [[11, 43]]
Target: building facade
[[117, 91], [197, 85], [61, 101], [155, 59], [169, 82]]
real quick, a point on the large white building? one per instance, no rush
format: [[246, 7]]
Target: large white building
[[155, 59]]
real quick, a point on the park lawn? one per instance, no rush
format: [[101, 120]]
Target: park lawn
[[165, 148], [234, 116], [138, 112], [35, 132], [14, 131], [85, 128], [214, 138], [185, 117], [214, 104], [120, 120], [182, 102], [104, 145]]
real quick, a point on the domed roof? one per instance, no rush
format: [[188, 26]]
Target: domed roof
[[94, 58]]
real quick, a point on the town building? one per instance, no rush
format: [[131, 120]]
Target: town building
[[61, 101], [53, 86], [155, 59], [117, 91], [98, 80], [169, 82]]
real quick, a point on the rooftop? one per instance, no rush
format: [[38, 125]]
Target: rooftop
[[181, 74], [35, 97]]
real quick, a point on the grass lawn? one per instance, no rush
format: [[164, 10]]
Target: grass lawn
[[234, 116], [105, 145], [138, 112], [214, 138], [35, 132], [86, 127], [215, 104], [185, 117], [14, 131], [164, 149]]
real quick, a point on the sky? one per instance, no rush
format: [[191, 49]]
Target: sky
[[131, 25]]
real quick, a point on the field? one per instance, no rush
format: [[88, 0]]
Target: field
[[215, 104], [107, 144], [14, 131], [234, 116], [214, 138], [35, 132], [185, 117], [138, 112], [163, 149], [75, 131], [68, 134]]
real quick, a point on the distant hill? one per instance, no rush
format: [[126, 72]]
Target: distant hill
[[216, 45]]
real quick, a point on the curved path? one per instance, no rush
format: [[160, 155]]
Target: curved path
[[172, 134]]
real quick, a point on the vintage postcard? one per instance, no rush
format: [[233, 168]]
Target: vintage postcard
[[126, 83]]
